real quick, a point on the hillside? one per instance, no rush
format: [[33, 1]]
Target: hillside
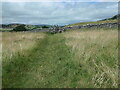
[[109, 20], [112, 18], [27, 25]]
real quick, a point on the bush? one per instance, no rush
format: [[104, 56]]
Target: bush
[[45, 26], [20, 28]]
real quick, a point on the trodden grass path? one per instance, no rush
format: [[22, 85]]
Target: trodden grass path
[[49, 64], [73, 59]]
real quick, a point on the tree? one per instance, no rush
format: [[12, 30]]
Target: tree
[[20, 28], [45, 26]]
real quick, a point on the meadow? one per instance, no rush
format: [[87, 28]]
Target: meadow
[[73, 59]]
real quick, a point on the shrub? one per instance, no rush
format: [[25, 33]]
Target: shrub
[[20, 28], [45, 26]]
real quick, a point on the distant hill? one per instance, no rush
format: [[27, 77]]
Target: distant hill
[[31, 26], [109, 20], [112, 18], [9, 25]]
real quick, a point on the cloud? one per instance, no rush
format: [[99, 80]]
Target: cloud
[[56, 12], [107, 0], [60, 0]]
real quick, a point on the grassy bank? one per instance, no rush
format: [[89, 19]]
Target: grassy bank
[[74, 59]]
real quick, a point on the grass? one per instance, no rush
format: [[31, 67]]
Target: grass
[[6, 29], [97, 52], [45, 63], [18, 42], [74, 59]]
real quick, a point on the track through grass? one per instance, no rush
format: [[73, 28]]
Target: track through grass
[[84, 59], [49, 64]]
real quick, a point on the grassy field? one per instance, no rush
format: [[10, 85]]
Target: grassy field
[[74, 59], [18, 42], [97, 53]]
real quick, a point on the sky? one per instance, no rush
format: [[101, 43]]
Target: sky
[[56, 12]]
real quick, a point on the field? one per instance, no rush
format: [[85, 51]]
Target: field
[[73, 59]]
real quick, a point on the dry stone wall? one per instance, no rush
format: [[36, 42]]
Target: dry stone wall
[[60, 30], [108, 25]]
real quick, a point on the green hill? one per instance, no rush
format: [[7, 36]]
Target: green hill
[[109, 20]]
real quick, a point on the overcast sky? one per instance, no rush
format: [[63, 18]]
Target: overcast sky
[[56, 12]]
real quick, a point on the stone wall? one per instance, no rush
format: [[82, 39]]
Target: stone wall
[[102, 25], [56, 30], [108, 25]]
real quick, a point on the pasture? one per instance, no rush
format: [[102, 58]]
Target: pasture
[[73, 59]]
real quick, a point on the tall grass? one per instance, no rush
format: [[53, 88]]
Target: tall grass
[[18, 42], [97, 52], [49, 64], [74, 59]]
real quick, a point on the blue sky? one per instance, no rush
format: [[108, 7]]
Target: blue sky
[[61, 13]]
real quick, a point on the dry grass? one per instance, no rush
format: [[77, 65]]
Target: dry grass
[[13, 42], [98, 52]]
